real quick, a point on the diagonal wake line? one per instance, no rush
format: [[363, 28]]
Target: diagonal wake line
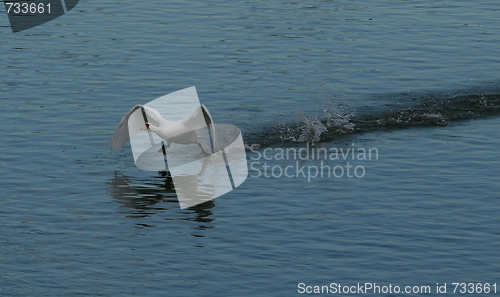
[[427, 112]]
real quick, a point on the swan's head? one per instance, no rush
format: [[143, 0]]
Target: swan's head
[[149, 126], [146, 126]]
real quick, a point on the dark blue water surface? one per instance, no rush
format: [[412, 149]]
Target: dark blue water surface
[[418, 79]]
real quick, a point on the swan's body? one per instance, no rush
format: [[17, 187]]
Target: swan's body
[[181, 132]]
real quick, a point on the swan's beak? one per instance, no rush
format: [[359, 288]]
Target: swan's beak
[[146, 127]]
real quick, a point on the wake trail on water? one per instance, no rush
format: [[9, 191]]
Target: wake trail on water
[[340, 120]]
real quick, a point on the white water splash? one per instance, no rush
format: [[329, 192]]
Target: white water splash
[[311, 128]]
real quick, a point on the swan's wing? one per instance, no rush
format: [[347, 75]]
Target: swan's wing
[[201, 118], [210, 124], [153, 116], [136, 117]]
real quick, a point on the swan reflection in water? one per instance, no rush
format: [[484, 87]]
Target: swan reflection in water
[[144, 198]]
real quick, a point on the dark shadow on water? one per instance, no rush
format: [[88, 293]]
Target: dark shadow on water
[[143, 198], [430, 110]]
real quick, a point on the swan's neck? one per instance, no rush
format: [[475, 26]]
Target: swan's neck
[[154, 128]]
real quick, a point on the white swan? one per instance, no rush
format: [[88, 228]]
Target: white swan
[[181, 132]]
